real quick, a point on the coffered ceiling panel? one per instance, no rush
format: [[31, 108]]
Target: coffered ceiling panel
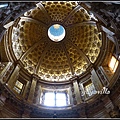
[[57, 59]]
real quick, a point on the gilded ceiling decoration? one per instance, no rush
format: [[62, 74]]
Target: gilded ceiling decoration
[[51, 60]]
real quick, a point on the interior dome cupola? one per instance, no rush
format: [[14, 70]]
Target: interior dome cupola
[[60, 44], [59, 59]]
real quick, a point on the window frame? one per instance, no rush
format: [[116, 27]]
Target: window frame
[[87, 83], [115, 64], [15, 86], [42, 101]]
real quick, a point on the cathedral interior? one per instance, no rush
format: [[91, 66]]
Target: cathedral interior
[[60, 59]]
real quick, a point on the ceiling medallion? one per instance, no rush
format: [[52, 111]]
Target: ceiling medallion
[[56, 32]]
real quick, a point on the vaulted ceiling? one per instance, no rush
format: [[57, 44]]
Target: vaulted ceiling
[[56, 61]]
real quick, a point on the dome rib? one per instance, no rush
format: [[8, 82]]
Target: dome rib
[[68, 58], [30, 49], [81, 24], [42, 56], [80, 51], [40, 5], [72, 13], [33, 21]]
